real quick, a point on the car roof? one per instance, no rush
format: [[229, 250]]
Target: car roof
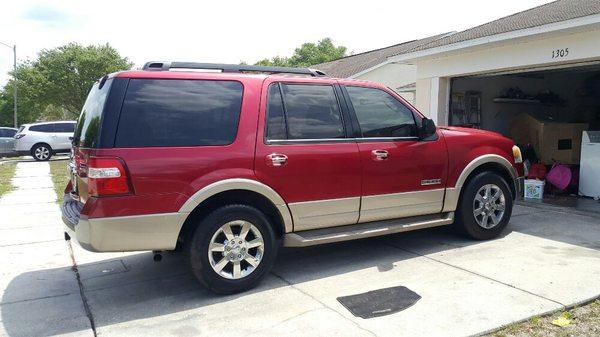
[[7, 127], [195, 74], [50, 122]]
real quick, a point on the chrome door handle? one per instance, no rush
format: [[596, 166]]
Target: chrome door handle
[[379, 154], [276, 159]]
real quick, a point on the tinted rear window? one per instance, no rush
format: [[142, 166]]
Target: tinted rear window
[[42, 128], [179, 113], [7, 133], [88, 125], [64, 127]]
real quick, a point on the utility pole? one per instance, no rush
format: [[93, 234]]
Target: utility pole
[[15, 85], [14, 48]]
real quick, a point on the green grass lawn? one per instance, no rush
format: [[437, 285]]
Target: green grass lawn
[[584, 322], [7, 171], [60, 177]]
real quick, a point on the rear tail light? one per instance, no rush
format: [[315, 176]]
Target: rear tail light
[[19, 135], [107, 177]]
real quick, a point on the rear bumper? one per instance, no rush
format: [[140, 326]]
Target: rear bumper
[[124, 233]]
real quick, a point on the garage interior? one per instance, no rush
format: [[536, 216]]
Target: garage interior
[[547, 112]]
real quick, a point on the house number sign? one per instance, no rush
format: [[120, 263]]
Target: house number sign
[[559, 53]]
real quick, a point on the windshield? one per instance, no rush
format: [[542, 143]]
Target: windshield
[[88, 125]]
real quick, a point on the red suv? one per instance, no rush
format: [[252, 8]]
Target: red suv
[[229, 162]]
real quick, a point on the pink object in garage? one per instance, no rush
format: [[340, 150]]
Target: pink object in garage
[[559, 176]]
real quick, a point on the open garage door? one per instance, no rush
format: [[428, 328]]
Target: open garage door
[[546, 111]]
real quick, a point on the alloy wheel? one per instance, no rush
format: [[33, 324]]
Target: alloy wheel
[[236, 249], [489, 206], [41, 153]]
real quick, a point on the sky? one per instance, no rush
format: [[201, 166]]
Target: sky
[[232, 31]]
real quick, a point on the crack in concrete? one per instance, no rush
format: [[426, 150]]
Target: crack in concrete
[[477, 274], [323, 304], [86, 306]]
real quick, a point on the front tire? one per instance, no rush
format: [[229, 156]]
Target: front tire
[[485, 207], [41, 152], [232, 249]]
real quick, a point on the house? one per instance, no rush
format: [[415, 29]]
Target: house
[[545, 60], [533, 76], [372, 65]]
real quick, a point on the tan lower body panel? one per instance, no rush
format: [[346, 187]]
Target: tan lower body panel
[[451, 199], [130, 233], [366, 230], [400, 205], [324, 213]]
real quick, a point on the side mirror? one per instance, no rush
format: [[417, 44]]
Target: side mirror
[[427, 128]]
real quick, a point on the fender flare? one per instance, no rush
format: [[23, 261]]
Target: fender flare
[[453, 193], [240, 184]]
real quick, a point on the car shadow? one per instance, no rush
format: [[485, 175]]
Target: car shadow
[[133, 287]]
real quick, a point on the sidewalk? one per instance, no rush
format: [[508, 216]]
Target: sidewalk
[[546, 260], [32, 244]]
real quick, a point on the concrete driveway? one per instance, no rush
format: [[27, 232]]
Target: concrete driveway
[[546, 260]]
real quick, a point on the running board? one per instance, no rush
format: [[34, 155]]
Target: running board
[[365, 230]]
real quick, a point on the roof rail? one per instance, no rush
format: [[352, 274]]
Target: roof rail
[[230, 68]]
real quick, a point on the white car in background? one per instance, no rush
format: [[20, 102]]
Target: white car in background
[[42, 140]]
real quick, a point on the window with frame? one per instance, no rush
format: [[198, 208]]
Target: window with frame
[[42, 128], [303, 111], [159, 112], [275, 114], [380, 114], [7, 133], [64, 127]]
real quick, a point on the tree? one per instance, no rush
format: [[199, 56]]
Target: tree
[[56, 85], [308, 54]]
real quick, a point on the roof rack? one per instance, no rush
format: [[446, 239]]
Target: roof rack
[[230, 68]]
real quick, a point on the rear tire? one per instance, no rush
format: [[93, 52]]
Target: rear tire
[[485, 207], [242, 244], [41, 152]]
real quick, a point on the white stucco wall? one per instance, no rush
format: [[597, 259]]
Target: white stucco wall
[[392, 75]]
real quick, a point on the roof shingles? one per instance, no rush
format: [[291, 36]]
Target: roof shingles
[[354, 64], [557, 11]]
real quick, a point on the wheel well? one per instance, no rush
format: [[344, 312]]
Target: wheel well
[[40, 143], [243, 197], [498, 169]]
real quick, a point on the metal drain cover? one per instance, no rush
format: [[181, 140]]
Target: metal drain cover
[[379, 302]]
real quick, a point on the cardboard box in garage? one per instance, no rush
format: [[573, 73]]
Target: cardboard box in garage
[[552, 141]]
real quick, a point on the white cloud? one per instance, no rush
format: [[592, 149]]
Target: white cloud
[[232, 31]]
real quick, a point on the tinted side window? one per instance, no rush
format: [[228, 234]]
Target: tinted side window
[[42, 128], [179, 113], [10, 132], [380, 114], [3, 133], [312, 112], [64, 127], [275, 114]]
